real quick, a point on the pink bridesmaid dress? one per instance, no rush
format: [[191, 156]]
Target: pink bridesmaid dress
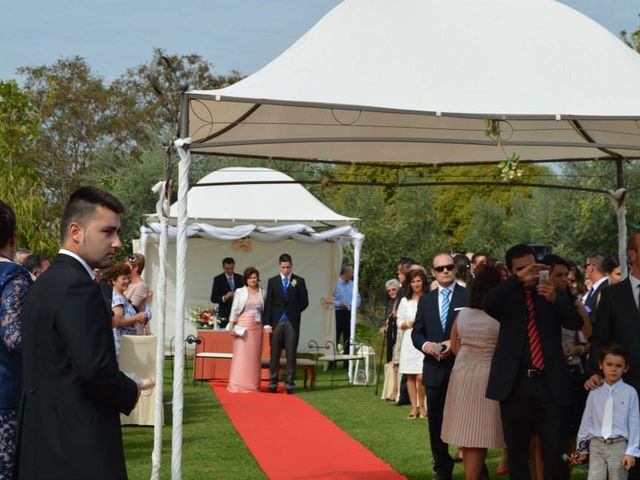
[[244, 375]]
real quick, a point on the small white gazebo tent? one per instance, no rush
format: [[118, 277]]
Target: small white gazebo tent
[[254, 224]]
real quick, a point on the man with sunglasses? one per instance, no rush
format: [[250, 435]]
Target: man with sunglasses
[[529, 375], [436, 313]]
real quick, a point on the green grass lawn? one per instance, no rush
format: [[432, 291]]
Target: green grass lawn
[[213, 449]]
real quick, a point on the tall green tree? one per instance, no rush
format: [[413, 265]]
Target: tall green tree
[[19, 124], [37, 227]]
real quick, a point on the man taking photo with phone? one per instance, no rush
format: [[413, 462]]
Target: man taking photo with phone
[[529, 375]]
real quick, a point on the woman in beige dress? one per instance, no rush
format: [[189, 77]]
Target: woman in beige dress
[[470, 420]]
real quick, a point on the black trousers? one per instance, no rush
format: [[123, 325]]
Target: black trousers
[[284, 337], [442, 461], [528, 409], [343, 327]]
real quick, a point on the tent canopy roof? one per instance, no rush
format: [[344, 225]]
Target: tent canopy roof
[[415, 80], [262, 204]]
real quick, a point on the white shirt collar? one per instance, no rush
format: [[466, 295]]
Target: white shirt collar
[[595, 286], [86, 266], [282, 277], [615, 386], [450, 288]]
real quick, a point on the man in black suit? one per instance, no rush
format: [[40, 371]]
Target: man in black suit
[[594, 271], [529, 375], [224, 286], [431, 333], [287, 298], [73, 391], [619, 322]]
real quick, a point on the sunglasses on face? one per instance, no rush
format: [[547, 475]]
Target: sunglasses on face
[[442, 268]]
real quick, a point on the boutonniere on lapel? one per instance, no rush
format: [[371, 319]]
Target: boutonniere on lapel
[[294, 282]]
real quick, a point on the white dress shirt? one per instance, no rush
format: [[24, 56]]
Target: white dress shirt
[[626, 416], [86, 266]]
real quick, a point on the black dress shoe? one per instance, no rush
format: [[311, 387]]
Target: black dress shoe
[[272, 388], [291, 389], [440, 476]]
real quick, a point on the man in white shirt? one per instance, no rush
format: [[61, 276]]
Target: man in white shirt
[[611, 420]]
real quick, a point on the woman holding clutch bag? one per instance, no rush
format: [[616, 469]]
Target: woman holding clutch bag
[[245, 325]]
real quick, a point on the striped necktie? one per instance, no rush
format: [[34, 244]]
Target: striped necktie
[[535, 347], [444, 310]]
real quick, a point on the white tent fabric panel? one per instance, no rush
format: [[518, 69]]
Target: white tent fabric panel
[[266, 205], [318, 262], [467, 56], [414, 81]]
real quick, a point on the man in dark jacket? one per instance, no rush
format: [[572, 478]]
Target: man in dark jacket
[[529, 375], [287, 298], [73, 391]]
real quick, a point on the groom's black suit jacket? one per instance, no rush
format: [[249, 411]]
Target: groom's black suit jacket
[[73, 391], [294, 303]]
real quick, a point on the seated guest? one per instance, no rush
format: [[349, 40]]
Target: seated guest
[[471, 420], [245, 325], [125, 321]]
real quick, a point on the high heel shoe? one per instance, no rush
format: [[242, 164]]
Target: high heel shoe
[[412, 416]]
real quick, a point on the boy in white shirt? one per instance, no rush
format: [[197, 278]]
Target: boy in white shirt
[[611, 420]]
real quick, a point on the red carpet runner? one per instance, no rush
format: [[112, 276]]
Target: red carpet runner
[[292, 440]]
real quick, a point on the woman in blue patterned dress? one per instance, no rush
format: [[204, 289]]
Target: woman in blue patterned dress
[[14, 285], [126, 321]]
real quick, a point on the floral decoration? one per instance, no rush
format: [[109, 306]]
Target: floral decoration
[[202, 317]]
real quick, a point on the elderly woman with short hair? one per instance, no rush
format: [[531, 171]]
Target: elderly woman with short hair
[[390, 330]]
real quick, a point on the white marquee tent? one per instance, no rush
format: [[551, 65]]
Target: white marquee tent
[[254, 224], [415, 82]]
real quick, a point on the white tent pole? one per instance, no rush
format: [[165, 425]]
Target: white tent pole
[[181, 281], [621, 212], [161, 299], [618, 198], [357, 239]]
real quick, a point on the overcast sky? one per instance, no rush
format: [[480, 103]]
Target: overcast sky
[[113, 35]]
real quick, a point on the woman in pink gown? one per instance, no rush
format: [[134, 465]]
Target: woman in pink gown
[[245, 325]]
